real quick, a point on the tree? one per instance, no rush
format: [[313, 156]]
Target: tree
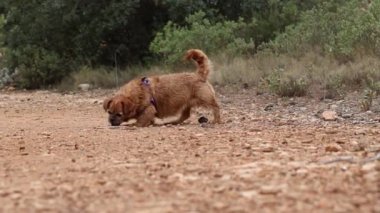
[[49, 39]]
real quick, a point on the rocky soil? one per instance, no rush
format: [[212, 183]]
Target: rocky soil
[[58, 154]]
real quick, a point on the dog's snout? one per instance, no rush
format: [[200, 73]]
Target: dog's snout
[[114, 121], [115, 124]]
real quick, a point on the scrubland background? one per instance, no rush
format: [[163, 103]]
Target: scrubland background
[[287, 47]]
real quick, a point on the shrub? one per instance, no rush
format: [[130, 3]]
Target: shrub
[[367, 100], [39, 67], [229, 37], [338, 28], [286, 85], [2, 21], [370, 93]]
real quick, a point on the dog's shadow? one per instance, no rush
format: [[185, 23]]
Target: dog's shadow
[[132, 126]]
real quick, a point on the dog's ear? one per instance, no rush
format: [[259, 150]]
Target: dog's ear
[[107, 103], [129, 108]]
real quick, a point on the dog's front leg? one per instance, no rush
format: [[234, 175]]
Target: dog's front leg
[[147, 117]]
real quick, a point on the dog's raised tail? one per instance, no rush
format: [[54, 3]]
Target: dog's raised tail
[[203, 64]]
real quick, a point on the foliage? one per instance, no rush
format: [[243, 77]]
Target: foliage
[[367, 100], [286, 85], [47, 40], [2, 20], [69, 34], [39, 66], [333, 85], [338, 28], [370, 93], [270, 17], [212, 37]]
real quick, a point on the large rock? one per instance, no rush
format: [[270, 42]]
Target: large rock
[[329, 115], [84, 87], [333, 148]]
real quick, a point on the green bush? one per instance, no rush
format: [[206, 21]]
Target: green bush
[[338, 28], [229, 37], [286, 85], [39, 67], [370, 93], [46, 40]]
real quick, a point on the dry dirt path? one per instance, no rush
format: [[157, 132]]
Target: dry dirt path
[[58, 154]]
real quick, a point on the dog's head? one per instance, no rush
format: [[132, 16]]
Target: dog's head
[[119, 108]]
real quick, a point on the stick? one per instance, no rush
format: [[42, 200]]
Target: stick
[[348, 159]]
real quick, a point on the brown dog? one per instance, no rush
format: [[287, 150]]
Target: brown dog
[[164, 95]]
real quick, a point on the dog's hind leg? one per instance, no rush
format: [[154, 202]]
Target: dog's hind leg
[[215, 111], [147, 117], [206, 98]]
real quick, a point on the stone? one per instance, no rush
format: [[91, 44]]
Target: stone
[[84, 87], [307, 141], [333, 148], [249, 194], [347, 115], [268, 107], [373, 148], [340, 141], [334, 107], [360, 132], [370, 167], [268, 149], [356, 146], [267, 190], [219, 205], [329, 115]]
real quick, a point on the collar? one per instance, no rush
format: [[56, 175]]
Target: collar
[[145, 81]]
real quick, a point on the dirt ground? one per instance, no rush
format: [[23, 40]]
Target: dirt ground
[[58, 154]]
